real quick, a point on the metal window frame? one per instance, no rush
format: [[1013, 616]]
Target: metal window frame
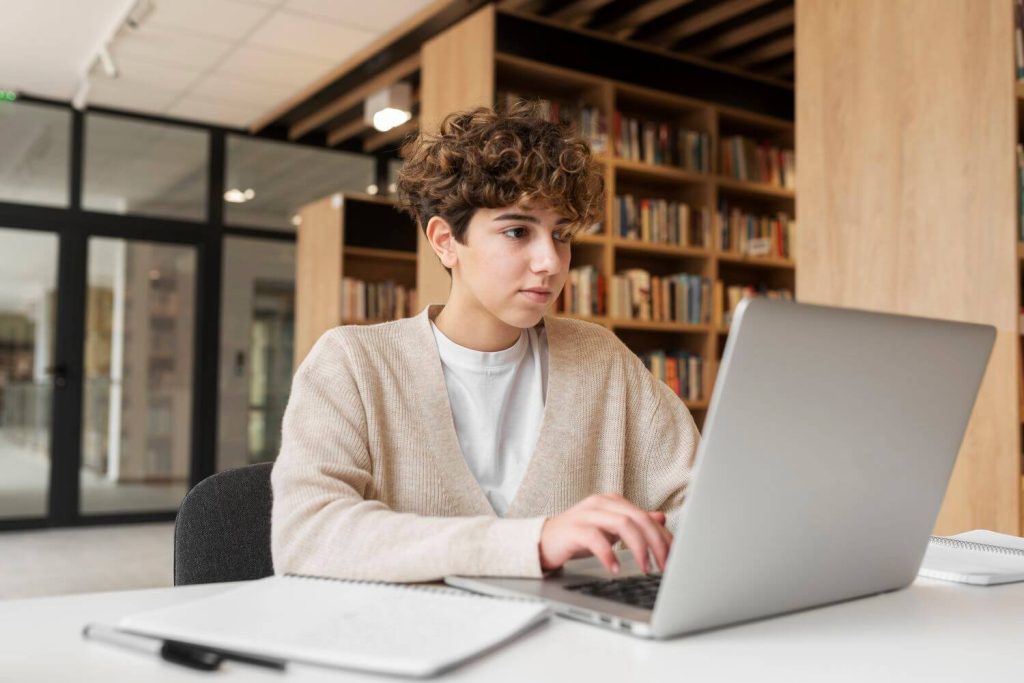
[[73, 227]]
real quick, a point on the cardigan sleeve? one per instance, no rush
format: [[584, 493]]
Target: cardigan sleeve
[[322, 524], [667, 442]]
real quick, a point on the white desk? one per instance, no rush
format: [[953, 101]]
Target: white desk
[[931, 631]]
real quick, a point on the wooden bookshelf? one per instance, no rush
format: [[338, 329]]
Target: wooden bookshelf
[[746, 187], [453, 78], [346, 235]]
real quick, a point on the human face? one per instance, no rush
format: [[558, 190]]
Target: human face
[[513, 263]]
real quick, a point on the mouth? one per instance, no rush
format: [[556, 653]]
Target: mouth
[[537, 294]]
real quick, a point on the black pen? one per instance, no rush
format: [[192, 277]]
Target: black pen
[[186, 654]]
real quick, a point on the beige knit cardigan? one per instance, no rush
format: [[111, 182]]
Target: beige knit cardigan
[[371, 483]]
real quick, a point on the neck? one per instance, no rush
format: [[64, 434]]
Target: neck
[[468, 324]]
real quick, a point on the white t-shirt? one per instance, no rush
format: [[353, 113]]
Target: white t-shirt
[[497, 400]]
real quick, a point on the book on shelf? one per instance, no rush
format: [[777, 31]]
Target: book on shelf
[[635, 294], [734, 294], [386, 300], [1018, 36], [661, 143], [748, 234], [590, 122], [583, 292], [682, 371], [743, 158], [662, 221], [1020, 192]]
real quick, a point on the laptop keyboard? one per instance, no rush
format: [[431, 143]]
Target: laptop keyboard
[[639, 591]]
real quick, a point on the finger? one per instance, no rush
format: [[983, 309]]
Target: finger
[[624, 528], [651, 530], [634, 539], [594, 540], [661, 518]]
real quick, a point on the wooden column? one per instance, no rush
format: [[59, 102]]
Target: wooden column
[[906, 189], [321, 235], [457, 72]]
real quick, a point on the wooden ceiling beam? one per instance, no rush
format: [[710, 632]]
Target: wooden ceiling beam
[[744, 34], [393, 74], [528, 6], [578, 13], [345, 131], [784, 70], [713, 16], [378, 140], [626, 25], [771, 50]]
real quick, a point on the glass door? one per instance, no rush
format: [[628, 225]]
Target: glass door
[[137, 379], [28, 295]]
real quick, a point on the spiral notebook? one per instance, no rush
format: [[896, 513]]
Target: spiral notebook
[[977, 557], [384, 628]]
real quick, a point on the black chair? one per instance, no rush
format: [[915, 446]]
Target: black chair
[[222, 531]]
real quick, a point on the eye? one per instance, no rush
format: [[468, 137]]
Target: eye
[[514, 233], [562, 236]]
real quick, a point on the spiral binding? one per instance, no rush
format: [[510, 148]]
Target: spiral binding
[[957, 544], [427, 588]]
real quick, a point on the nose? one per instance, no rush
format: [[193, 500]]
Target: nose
[[545, 257]]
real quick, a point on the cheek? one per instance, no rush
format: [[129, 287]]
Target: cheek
[[496, 265]]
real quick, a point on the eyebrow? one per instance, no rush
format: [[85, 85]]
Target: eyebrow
[[525, 217]]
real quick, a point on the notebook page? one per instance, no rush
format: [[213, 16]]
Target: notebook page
[[372, 627], [991, 538]]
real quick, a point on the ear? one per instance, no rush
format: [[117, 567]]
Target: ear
[[439, 235]]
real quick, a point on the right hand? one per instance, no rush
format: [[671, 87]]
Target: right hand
[[593, 525]]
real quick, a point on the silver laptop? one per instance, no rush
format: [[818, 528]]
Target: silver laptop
[[828, 445]]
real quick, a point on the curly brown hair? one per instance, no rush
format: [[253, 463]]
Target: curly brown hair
[[486, 158]]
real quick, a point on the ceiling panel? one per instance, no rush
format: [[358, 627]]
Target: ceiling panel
[[227, 19], [310, 36], [134, 97], [378, 15], [171, 46], [236, 90], [43, 56], [138, 72], [274, 66], [211, 111]]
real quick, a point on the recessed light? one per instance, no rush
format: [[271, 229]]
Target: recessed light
[[389, 107], [237, 196], [389, 118]]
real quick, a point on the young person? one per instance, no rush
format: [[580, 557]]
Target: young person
[[482, 437]]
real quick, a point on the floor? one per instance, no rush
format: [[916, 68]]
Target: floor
[[25, 476], [85, 560]]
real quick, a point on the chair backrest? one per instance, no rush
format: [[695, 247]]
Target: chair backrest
[[222, 531]]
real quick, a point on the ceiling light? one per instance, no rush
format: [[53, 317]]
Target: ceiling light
[[296, 220], [237, 196], [107, 62], [371, 189], [389, 107]]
